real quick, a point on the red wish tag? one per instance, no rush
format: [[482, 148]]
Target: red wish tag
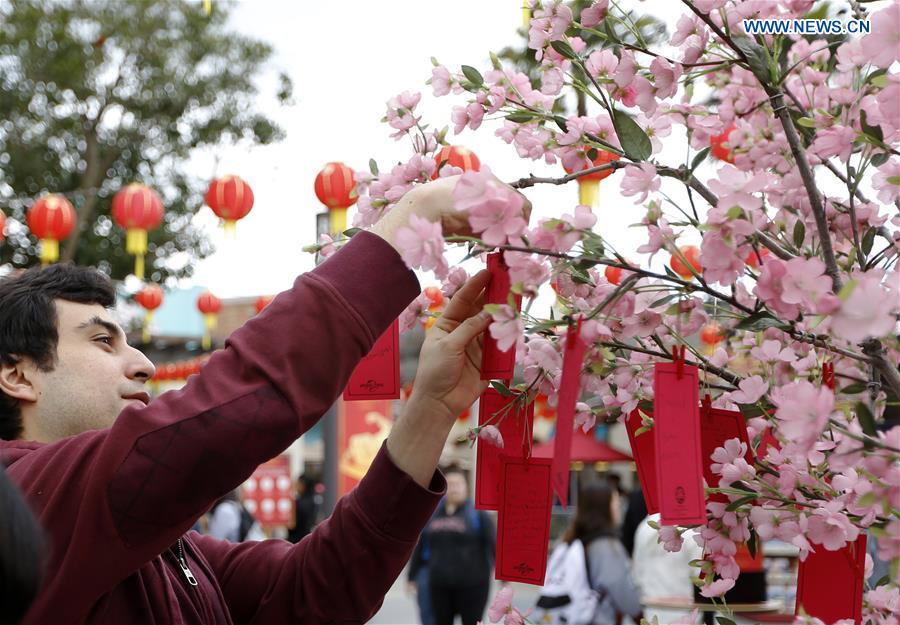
[[569, 389], [497, 365], [516, 428], [523, 522], [766, 442], [643, 448], [377, 376], [830, 583], [676, 428], [716, 427]]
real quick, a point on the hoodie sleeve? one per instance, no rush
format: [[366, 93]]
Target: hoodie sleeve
[[341, 572], [117, 498]]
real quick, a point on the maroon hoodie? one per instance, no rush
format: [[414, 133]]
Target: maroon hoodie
[[115, 502]]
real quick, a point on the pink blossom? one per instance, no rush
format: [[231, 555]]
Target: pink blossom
[[718, 587], [803, 411], [625, 70], [688, 619], [528, 270], [602, 63], [670, 538], [584, 416], [549, 24], [491, 434], [659, 234], [327, 245], [552, 81], [750, 390], [720, 259], [887, 181], [594, 14], [542, 359], [882, 45], [708, 6], [737, 188], [400, 111], [884, 598], [772, 351], [869, 309], [834, 141], [440, 80], [495, 210], [640, 179], [799, 284], [422, 246], [411, 313], [506, 327], [469, 116], [454, 281], [666, 77], [830, 527], [501, 604]]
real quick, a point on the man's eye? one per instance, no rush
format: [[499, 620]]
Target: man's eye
[[105, 339]]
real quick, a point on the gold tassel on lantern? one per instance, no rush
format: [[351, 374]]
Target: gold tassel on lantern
[[526, 15], [230, 227], [136, 244], [588, 192], [210, 322], [207, 7], [337, 218], [49, 251], [148, 319]]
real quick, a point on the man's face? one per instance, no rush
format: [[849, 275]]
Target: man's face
[[95, 376], [457, 489]]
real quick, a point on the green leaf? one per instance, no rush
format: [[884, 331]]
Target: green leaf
[[501, 388], [473, 75], [759, 321], [592, 154], [734, 505], [561, 122], [751, 410], [663, 300], [866, 419], [884, 581], [564, 49], [868, 241], [635, 142], [724, 620], [610, 31], [799, 233], [873, 131], [520, 118], [756, 58], [373, 167], [854, 389], [350, 232], [895, 180], [752, 543], [880, 159], [699, 158], [806, 122]]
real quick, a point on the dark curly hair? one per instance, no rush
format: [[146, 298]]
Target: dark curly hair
[[28, 321]]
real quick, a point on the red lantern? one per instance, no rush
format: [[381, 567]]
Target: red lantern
[[262, 301], [335, 187], [51, 219], [209, 305], [170, 370], [137, 208], [589, 185], [691, 253], [456, 156], [150, 298], [435, 296], [721, 149], [2, 226], [711, 334], [754, 260], [231, 199]]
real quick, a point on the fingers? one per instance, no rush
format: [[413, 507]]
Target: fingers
[[468, 331], [462, 304]]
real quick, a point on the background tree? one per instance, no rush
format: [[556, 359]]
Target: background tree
[[95, 95]]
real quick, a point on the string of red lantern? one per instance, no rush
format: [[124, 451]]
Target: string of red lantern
[[209, 305], [51, 219], [150, 298], [231, 199], [137, 208], [335, 186]]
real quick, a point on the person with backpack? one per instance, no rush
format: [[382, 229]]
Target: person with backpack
[[460, 543], [230, 520], [588, 579]]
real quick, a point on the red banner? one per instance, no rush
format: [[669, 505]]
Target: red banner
[[362, 428]]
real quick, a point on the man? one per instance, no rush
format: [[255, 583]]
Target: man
[[116, 482]]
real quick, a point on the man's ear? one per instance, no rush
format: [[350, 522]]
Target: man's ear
[[14, 380]]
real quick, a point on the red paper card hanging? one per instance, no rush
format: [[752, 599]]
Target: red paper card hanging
[[830, 583], [643, 448], [767, 440], [569, 389], [497, 365], [676, 429], [377, 376], [716, 427], [523, 522], [516, 429]]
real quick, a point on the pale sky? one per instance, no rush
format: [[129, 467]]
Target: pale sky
[[347, 59]]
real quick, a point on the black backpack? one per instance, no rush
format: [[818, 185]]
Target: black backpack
[[247, 522]]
